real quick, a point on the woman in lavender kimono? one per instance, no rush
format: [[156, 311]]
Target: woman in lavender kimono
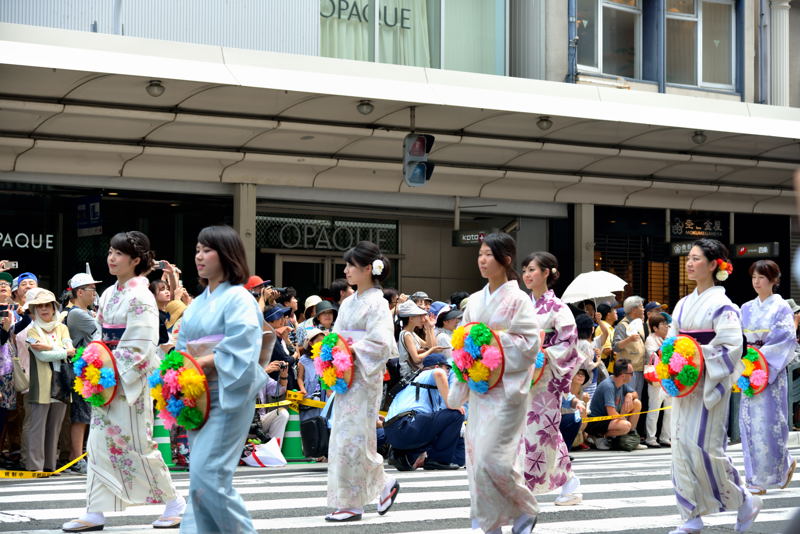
[[763, 420], [703, 476], [222, 330], [547, 464], [124, 465], [355, 469], [498, 494]]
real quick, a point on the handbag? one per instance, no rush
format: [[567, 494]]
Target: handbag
[[650, 371], [21, 379]]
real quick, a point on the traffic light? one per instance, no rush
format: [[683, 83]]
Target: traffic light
[[417, 169]]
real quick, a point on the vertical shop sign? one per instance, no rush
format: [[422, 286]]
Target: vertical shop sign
[[89, 220]]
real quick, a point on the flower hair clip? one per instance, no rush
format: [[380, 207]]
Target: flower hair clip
[[377, 267], [724, 269], [553, 270]]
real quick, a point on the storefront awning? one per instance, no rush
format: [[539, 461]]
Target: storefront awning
[[75, 103]]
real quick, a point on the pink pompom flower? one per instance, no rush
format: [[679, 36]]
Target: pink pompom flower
[[491, 356], [167, 419], [341, 360], [758, 378], [171, 386], [319, 366], [462, 358], [676, 363]]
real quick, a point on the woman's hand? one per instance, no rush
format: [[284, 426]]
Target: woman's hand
[[8, 321], [206, 363], [273, 367], [41, 347], [70, 352]]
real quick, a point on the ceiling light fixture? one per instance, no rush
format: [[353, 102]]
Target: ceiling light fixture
[[365, 107], [155, 88], [113, 193], [699, 137], [544, 123]]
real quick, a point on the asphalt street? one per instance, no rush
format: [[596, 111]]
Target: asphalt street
[[622, 492]]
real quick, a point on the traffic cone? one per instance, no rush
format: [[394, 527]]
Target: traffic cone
[[292, 447], [161, 437]]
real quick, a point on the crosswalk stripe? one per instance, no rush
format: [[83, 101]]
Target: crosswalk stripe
[[633, 492]]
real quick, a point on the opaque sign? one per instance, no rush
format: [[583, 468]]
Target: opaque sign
[[24, 240], [350, 10], [318, 233]]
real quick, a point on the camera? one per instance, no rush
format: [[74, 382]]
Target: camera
[[284, 365], [3, 310], [281, 290]]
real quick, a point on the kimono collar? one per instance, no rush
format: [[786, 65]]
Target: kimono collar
[[489, 296], [136, 281], [547, 295], [221, 288], [357, 294], [767, 301]]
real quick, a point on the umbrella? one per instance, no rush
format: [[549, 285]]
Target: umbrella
[[593, 285]]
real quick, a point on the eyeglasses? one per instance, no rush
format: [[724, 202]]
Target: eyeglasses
[[5, 284], [627, 373]]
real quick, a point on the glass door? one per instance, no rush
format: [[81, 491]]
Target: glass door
[[307, 274]]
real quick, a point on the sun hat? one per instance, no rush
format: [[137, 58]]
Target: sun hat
[[80, 280], [793, 305], [41, 296], [438, 307], [311, 333], [7, 278], [447, 315], [273, 313], [409, 309], [420, 295], [175, 309], [323, 306], [253, 282], [313, 300], [434, 359]]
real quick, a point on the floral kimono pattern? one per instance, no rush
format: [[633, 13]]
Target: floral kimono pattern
[[547, 464], [124, 464], [498, 494], [355, 469], [763, 419]]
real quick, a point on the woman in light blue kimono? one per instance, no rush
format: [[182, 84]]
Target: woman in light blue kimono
[[769, 326], [222, 329]]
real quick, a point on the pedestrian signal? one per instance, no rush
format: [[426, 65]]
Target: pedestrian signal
[[417, 170]]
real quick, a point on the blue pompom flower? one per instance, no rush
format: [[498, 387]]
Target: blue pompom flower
[[107, 378], [478, 387], [670, 387], [155, 379], [78, 366], [340, 386], [540, 360], [472, 348], [326, 354], [174, 406], [743, 383]]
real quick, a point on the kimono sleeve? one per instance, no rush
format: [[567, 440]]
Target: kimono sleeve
[[378, 344], [236, 355], [135, 349], [779, 343], [562, 358], [722, 355]]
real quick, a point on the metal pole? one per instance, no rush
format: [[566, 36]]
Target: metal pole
[[572, 36], [457, 214]]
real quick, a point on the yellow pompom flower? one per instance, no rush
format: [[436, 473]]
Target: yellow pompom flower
[[191, 383], [316, 349], [157, 394], [748, 367], [329, 376], [662, 371], [685, 347], [479, 372], [458, 338], [78, 385], [92, 374]]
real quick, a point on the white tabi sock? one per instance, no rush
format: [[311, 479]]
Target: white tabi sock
[[571, 486]]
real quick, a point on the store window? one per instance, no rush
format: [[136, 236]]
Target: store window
[[700, 37], [609, 36], [465, 35]]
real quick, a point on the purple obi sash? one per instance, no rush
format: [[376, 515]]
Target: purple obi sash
[[703, 337], [549, 336], [112, 333]]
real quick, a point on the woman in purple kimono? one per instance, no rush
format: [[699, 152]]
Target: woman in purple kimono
[[547, 464], [768, 324]]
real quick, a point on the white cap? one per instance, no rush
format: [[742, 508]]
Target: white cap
[[80, 280], [313, 300]]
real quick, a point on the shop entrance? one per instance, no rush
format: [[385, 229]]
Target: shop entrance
[[308, 274]]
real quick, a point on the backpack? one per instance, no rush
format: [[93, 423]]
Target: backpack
[[403, 384]]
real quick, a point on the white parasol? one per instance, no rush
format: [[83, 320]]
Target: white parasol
[[593, 285]]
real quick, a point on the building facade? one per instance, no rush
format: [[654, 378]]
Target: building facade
[[609, 132]]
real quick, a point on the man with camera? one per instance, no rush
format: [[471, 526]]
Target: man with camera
[[420, 426], [277, 317], [272, 423]]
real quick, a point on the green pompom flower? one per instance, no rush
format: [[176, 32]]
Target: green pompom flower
[[190, 418], [322, 383], [688, 375], [480, 334], [751, 354], [173, 360], [666, 353], [78, 355], [749, 392], [96, 400], [330, 340], [458, 374]]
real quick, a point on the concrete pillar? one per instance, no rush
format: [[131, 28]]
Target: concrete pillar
[[527, 43], [779, 52], [244, 219], [584, 238]]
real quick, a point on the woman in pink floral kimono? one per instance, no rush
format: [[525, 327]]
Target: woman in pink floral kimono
[[124, 464]]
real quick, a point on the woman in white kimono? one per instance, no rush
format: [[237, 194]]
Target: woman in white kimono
[[124, 464], [498, 494], [705, 480], [763, 419], [222, 330], [355, 469], [547, 464]]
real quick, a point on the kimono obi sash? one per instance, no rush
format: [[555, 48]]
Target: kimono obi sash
[[204, 345], [112, 333], [549, 336], [703, 337]]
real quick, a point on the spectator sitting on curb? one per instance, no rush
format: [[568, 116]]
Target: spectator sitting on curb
[[614, 397]]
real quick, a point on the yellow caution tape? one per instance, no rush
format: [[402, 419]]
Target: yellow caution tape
[[5, 473], [295, 398], [607, 417]]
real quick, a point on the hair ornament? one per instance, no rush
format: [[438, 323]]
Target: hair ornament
[[377, 267], [553, 270], [724, 269]]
